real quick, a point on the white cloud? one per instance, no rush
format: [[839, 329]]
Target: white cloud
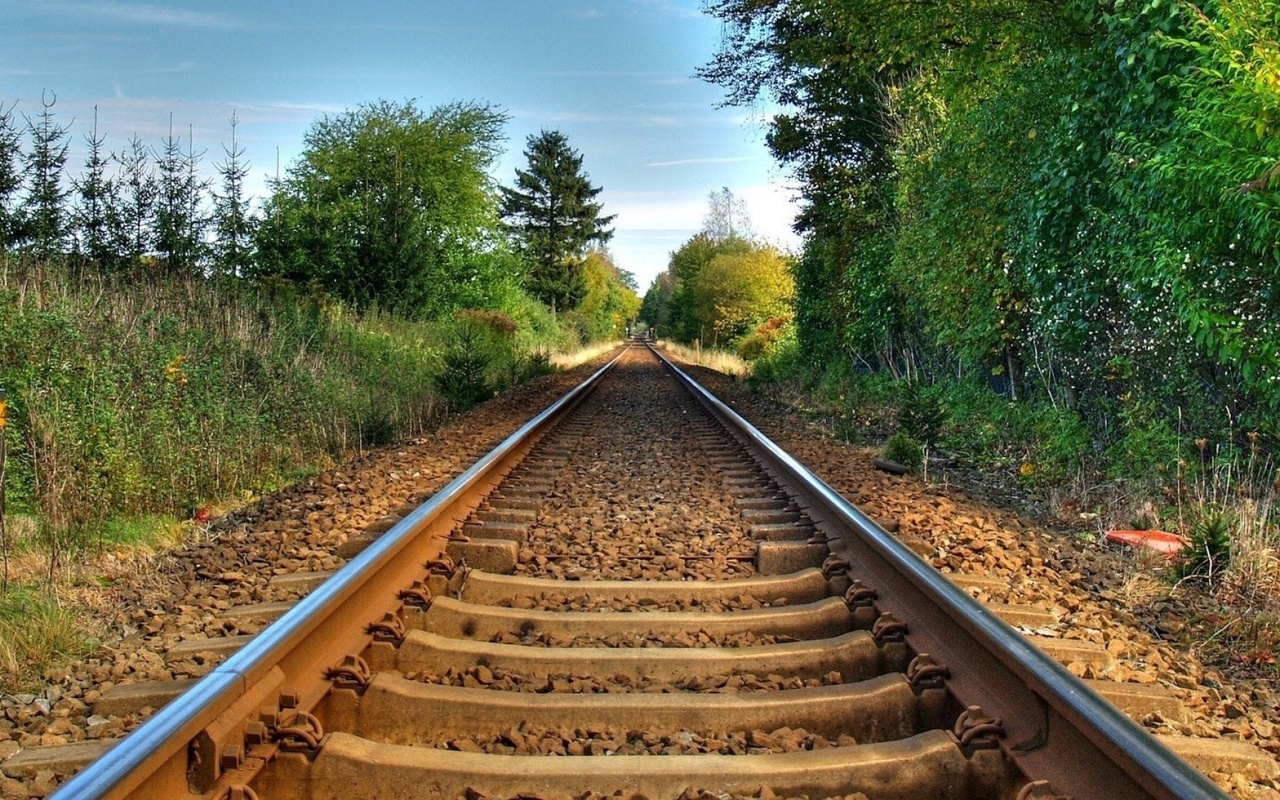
[[709, 160], [149, 14]]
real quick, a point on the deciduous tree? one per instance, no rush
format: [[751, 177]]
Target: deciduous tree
[[389, 205]]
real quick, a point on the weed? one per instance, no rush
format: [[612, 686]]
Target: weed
[[1208, 550], [464, 379], [35, 631]]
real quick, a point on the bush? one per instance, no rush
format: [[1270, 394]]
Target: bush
[[921, 413], [1208, 550], [900, 447]]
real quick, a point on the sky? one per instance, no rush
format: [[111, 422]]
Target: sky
[[615, 76]]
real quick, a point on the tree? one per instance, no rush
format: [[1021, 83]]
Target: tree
[[655, 310], [553, 216], [95, 218], [137, 200], [44, 208], [232, 221], [10, 179], [179, 220], [609, 303], [727, 216], [389, 205], [737, 291]]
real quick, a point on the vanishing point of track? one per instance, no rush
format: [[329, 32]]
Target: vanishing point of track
[[637, 594]]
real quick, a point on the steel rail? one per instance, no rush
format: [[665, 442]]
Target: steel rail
[[1056, 728], [165, 737]]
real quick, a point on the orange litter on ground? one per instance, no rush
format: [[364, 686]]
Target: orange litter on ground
[[1161, 541]]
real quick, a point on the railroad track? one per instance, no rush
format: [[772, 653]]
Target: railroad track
[[635, 594]]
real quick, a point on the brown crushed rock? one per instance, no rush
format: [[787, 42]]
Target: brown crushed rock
[[153, 603], [527, 739], [685, 639], [482, 677], [664, 516]]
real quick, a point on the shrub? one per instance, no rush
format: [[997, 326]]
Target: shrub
[[900, 447], [1208, 550], [920, 413]]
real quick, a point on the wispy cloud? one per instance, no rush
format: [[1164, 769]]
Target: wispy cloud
[[149, 14], [666, 7], [708, 160]]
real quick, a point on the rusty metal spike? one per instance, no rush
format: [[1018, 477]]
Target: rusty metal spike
[[924, 672], [859, 595], [888, 627]]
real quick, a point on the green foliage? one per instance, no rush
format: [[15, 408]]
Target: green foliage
[[608, 304], [900, 447], [44, 214], [717, 290], [389, 206], [10, 179], [464, 378], [767, 337], [35, 632], [780, 358], [1075, 201], [1147, 448], [553, 216], [1208, 550], [920, 413]]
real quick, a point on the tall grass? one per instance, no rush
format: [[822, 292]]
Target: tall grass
[[138, 397], [711, 358]]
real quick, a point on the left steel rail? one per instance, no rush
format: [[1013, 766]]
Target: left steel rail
[[291, 657]]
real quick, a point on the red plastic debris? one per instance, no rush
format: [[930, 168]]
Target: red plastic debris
[[1161, 541]]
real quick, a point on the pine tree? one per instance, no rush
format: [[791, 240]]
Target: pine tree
[[138, 194], [233, 225], [179, 222], [95, 220], [44, 208], [10, 180], [553, 216]]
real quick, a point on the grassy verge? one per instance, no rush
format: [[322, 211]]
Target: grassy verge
[[718, 360], [138, 405]]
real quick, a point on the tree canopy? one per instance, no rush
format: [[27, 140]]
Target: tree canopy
[[1080, 197], [390, 205], [553, 216], [720, 283]]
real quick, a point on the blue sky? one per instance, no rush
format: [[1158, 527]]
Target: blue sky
[[615, 76]]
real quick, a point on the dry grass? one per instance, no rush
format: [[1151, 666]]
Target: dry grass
[[718, 360], [53, 611], [37, 629], [573, 358]]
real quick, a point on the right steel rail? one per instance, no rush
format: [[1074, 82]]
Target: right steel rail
[[1054, 727]]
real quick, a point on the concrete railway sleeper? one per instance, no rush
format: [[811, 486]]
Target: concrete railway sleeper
[[710, 619]]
